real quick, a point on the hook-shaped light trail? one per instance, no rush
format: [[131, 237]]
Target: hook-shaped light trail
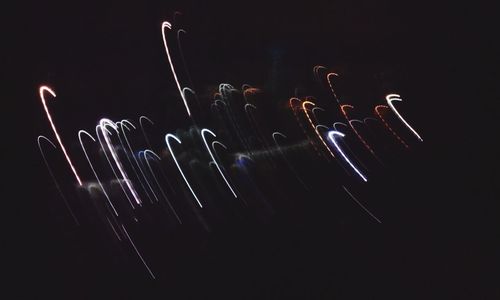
[[169, 136], [331, 136], [107, 122], [203, 131], [396, 97], [42, 91], [169, 26]]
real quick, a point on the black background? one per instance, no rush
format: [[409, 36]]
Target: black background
[[440, 238]]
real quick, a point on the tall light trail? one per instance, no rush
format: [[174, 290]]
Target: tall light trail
[[42, 90], [169, 26]]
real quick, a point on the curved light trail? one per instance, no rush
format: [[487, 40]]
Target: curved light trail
[[42, 91], [331, 136], [396, 97], [169, 136]]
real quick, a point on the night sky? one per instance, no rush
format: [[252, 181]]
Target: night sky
[[438, 201]]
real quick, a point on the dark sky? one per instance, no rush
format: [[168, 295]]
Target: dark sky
[[107, 59]]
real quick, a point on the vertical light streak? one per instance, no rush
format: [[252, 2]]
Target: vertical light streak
[[98, 129], [42, 90], [331, 136], [106, 122], [154, 155], [169, 26], [142, 128], [396, 97], [169, 136], [92, 167], [203, 131], [53, 177], [123, 125]]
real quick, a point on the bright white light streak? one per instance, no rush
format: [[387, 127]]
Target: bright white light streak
[[396, 97], [98, 129], [107, 122], [138, 253], [169, 136], [42, 90], [53, 177], [169, 26], [203, 131], [92, 167], [331, 136], [154, 155]]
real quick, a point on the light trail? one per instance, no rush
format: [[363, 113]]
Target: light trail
[[124, 125], [154, 155], [58, 187], [92, 167], [331, 136], [101, 129], [107, 122], [362, 206], [169, 136], [314, 127], [169, 26], [395, 97], [137, 252], [203, 131], [42, 91], [379, 114]]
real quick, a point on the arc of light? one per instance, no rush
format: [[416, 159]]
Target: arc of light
[[362, 206], [331, 86], [106, 122], [316, 71], [342, 107], [387, 124], [339, 123], [215, 151], [277, 133], [314, 113], [137, 252], [203, 131], [182, 53], [123, 125], [42, 90], [369, 118], [252, 121], [53, 177], [314, 127], [142, 128], [92, 167], [169, 136], [169, 26], [147, 181], [331, 136], [102, 129], [291, 102], [396, 97], [154, 155]]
